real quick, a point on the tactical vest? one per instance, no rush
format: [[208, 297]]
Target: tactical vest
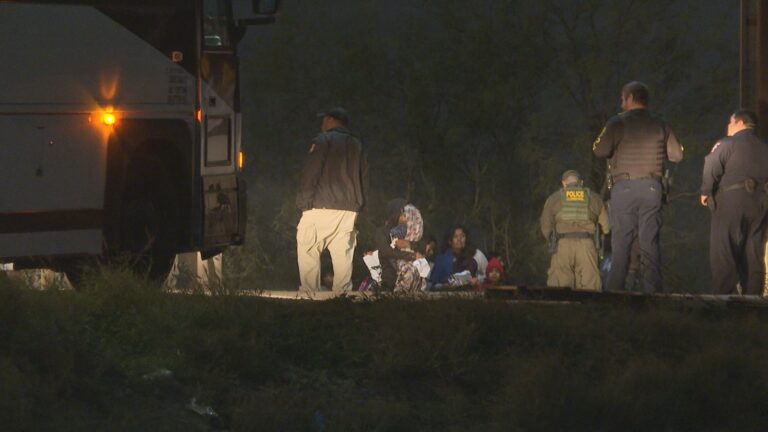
[[575, 205], [643, 149]]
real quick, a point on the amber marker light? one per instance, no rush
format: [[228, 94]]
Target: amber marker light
[[240, 160], [109, 118], [199, 116]]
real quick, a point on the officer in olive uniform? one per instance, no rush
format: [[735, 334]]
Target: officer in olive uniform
[[734, 188], [636, 143], [570, 221]]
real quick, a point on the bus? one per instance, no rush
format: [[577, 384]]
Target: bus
[[753, 71], [120, 130]]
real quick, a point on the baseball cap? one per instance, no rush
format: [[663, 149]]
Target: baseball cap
[[336, 112], [570, 173]]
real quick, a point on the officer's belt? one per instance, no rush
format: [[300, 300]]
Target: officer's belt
[[749, 184], [580, 234], [626, 176]]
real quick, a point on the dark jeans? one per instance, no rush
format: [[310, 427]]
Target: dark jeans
[[736, 242], [635, 210]]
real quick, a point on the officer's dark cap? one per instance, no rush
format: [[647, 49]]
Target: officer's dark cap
[[336, 112], [571, 174]]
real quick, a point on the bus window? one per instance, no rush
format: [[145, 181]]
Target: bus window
[[215, 24]]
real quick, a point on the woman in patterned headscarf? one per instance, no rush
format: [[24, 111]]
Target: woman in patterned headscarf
[[399, 243], [408, 278]]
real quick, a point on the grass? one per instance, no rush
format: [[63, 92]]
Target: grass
[[94, 360]]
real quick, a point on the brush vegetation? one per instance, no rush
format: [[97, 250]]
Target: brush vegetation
[[472, 110], [123, 355]]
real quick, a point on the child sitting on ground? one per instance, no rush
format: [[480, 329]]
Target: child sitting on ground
[[494, 273]]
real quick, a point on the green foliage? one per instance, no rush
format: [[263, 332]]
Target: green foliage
[[472, 110], [90, 360]]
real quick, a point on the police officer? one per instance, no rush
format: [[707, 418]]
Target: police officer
[[332, 190], [636, 143], [734, 188], [570, 219]]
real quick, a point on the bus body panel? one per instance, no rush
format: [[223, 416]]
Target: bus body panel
[[59, 76], [167, 70], [51, 162], [78, 56], [51, 244]]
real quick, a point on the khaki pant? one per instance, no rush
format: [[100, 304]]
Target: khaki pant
[[574, 265], [320, 229]]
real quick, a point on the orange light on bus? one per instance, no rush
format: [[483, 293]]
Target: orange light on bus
[[109, 118], [199, 116], [240, 160]]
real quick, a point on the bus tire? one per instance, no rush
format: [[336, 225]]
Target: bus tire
[[150, 220]]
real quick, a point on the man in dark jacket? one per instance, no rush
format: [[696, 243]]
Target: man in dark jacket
[[734, 188], [636, 143], [332, 190]]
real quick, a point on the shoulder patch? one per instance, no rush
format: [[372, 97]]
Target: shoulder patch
[[312, 147], [714, 147]]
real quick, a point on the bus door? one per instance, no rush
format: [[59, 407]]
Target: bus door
[[219, 124]]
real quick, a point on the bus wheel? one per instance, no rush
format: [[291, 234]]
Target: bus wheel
[[149, 222], [75, 269]]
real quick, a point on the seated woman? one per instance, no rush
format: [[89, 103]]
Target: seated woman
[[408, 277], [457, 257], [396, 255]]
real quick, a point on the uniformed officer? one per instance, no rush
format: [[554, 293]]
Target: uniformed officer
[[734, 188], [570, 219], [636, 143]]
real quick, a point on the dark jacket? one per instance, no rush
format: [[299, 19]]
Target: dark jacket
[[335, 174], [447, 264], [637, 143], [733, 160]]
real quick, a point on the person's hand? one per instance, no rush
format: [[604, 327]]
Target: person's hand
[[418, 255], [704, 200], [402, 244], [474, 281]]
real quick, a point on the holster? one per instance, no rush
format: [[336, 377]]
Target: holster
[[599, 243], [552, 242], [666, 183]]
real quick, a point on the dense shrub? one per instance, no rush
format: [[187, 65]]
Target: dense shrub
[[122, 354]]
